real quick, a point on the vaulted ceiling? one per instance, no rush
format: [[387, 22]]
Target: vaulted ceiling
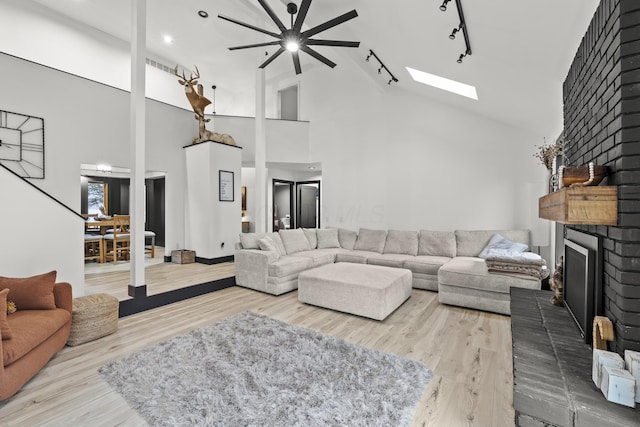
[[521, 49]]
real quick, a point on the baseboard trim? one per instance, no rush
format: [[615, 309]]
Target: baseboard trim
[[143, 303], [211, 261]]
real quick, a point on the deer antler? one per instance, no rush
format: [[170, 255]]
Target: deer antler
[[197, 73]]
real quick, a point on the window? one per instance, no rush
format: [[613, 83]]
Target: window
[[97, 195]]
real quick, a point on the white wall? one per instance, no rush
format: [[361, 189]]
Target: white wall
[[38, 235], [392, 159]]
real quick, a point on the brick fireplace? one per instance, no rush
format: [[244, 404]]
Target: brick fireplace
[[602, 125]]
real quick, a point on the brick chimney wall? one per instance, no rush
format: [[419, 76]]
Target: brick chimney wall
[[602, 124]]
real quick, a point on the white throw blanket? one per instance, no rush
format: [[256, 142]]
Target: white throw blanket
[[527, 263]]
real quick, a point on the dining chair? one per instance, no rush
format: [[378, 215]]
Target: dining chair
[[117, 243], [93, 248]]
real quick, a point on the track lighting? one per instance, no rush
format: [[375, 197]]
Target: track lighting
[[461, 27], [382, 67], [214, 98]]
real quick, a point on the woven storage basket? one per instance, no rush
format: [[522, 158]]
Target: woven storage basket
[[94, 316]]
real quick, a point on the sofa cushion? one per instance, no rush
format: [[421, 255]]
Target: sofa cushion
[[357, 257], [389, 260], [31, 293], [370, 240], [471, 243], [437, 243], [294, 241], [266, 244], [347, 238], [497, 242], [327, 238], [278, 241], [30, 328], [5, 329], [288, 265], [310, 234], [426, 264], [472, 272], [319, 257], [250, 240], [401, 242]]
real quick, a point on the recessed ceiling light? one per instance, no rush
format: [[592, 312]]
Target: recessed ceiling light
[[443, 83], [203, 14], [167, 39]]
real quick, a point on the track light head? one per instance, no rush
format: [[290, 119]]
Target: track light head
[[453, 34], [380, 70], [389, 83], [367, 58], [443, 6], [459, 61]]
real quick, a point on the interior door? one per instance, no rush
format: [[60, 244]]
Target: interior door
[[308, 204]]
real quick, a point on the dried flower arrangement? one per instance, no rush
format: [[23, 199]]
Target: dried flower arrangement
[[547, 152]]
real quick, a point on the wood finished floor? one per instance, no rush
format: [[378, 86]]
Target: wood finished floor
[[469, 351]]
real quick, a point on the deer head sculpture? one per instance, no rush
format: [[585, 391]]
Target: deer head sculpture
[[193, 90]]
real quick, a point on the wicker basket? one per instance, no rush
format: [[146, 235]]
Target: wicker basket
[[93, 317]]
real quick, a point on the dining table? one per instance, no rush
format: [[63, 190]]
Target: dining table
[[103, 224]]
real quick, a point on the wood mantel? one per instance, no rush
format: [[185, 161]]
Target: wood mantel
[[595, 205]]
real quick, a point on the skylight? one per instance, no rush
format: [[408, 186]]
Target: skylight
[[443, 83]]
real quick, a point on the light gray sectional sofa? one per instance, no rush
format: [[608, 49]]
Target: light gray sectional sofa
[[446, 262]]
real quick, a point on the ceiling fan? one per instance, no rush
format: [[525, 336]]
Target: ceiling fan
[[293, 39]]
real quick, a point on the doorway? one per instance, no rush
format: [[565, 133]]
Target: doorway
[[288, 103], [282, 206], [308, 212]]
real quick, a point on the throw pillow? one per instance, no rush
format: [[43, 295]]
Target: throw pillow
[[371, 240], [278, 241], [266, 244], [347, 238], [310, 234], [401, 242], [5, 330], [498, 242], [327, 238], [294, 241], [32, 293], [437, 243], [250, 240]]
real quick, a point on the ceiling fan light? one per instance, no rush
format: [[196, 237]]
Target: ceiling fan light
[[292, 46]]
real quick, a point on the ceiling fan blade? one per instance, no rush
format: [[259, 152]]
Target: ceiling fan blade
[[339, 43], [272, 14], [296, 62], [272, 57], [226, 18], [247, 46], [330, 24], [302, 13], [309, 51]]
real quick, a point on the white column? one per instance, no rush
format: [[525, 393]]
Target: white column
[[137, 140], [260, 159]]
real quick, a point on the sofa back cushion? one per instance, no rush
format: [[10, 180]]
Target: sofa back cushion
[[347, 238], [294, 241], [471, 243], [371, 240], [31, 293], [437, 243], [310, 234], [401, 242], [327, 238]]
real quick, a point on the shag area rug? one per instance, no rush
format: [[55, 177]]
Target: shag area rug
[[253, 370]]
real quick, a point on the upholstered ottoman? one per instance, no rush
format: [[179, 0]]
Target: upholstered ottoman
[[366, 290], [93, 317]]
